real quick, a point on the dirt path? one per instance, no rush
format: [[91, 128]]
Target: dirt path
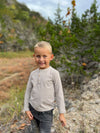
[[9, 77]]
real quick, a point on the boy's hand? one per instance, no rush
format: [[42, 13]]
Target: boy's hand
[[62, 119], [29, 114]]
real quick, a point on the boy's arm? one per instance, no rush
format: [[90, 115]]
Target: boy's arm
[[59, 98], [59, 93], [27, 94]]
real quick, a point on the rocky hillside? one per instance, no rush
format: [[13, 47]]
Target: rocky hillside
[[18, 26], [82, 109]]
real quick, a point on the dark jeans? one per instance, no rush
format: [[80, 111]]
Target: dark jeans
[[43, 119]]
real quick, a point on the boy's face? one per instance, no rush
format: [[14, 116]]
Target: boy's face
[[42, 57]]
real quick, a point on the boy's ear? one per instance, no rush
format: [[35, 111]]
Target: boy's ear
[[52, 56], [33, 55]]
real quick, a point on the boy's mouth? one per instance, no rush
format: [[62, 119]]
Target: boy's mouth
[[42, 63]]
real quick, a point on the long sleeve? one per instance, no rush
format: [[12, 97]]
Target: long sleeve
[[59, 93], [42, 88], [27, 94]]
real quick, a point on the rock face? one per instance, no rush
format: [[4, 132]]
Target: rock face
[[19, 27], [83, 114], [22, 37]]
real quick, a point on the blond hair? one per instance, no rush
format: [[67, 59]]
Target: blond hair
[[43, 44]]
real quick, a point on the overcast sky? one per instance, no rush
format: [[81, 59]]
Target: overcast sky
[[47, 8]]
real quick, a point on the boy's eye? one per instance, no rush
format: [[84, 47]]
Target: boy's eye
[[38, 56], [44, 56]]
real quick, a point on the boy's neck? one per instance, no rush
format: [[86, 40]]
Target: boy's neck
[[43, 68]]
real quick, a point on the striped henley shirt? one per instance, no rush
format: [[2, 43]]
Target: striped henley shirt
[[44, 87]]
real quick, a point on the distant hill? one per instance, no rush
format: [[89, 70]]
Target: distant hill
[[18, 26]]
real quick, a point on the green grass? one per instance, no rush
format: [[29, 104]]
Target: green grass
[[16, 54], [14, 104], [17, 99]]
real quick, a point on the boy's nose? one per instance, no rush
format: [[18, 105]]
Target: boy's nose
[[41, 58]]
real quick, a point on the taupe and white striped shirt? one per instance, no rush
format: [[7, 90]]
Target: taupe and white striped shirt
[[43, 88]]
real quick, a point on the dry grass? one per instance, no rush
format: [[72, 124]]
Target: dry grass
[[14, 72]]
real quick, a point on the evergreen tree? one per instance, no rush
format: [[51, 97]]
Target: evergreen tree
[[58, 18]]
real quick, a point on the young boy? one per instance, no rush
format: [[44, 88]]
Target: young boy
[[43, 88]]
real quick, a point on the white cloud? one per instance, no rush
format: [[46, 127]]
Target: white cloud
[[61, 2], [45, 11], [29, 0]]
